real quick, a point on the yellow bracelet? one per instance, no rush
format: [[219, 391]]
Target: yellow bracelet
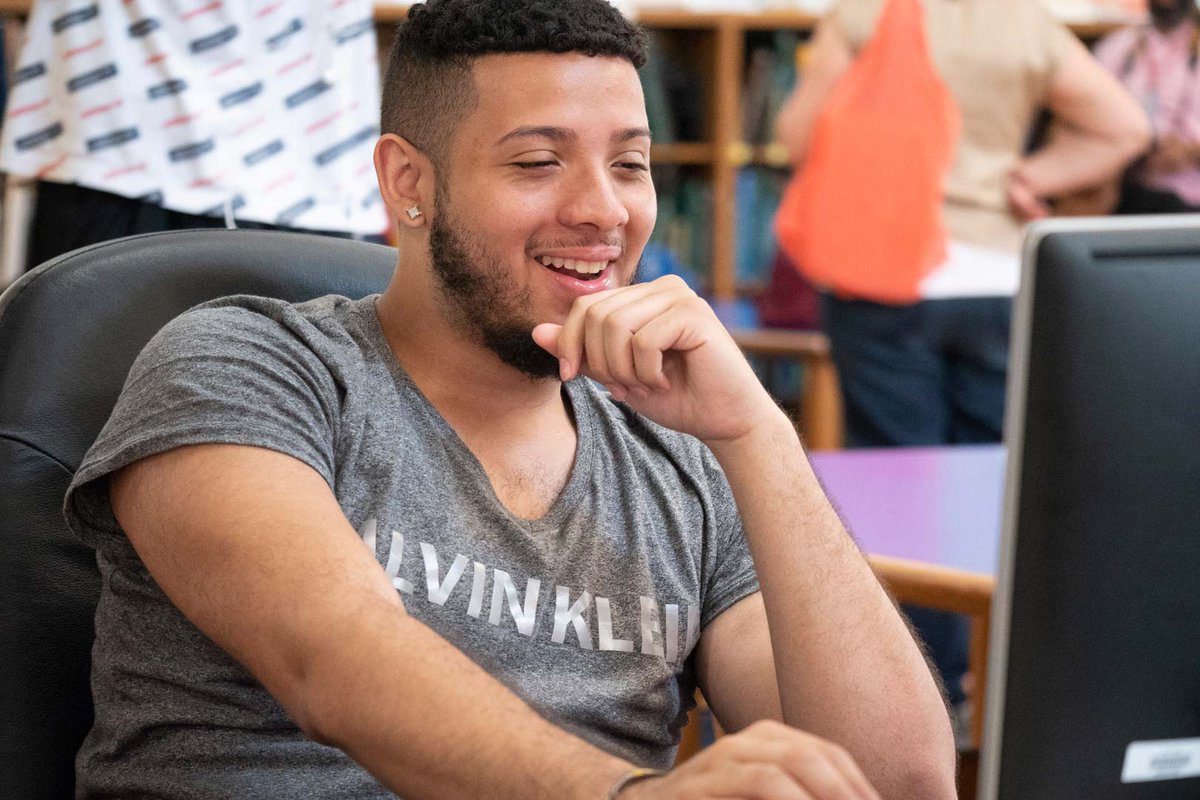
[[631, 776]]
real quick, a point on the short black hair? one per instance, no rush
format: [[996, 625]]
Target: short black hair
[[428, 87]]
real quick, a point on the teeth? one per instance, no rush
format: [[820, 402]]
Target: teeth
[[583, 267]]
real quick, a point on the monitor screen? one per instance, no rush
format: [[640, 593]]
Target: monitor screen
[[1094, 671]]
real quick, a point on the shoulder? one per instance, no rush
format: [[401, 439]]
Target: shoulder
[[263, 327]]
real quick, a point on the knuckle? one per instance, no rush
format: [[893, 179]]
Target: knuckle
[[672, 281]]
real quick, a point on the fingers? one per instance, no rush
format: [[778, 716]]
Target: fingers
[[825, 770], [599, 331]]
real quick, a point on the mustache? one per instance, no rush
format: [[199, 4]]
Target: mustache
[[565, 243]]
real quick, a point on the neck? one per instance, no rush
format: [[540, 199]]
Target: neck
[[464, 380]]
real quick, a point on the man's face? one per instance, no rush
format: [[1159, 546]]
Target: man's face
[[546, 197]]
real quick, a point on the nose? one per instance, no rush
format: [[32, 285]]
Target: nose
[[592, 200]]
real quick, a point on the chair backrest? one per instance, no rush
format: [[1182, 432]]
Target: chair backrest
[[69, 332]]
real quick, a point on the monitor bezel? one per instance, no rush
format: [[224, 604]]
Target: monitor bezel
[[1014, 425]]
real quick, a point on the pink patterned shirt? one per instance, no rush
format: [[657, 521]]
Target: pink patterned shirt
[[1160, 70]]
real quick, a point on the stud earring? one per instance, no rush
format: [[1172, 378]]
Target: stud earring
[[414, 212]]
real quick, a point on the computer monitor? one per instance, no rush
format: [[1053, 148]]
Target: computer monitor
[[1093, 686]]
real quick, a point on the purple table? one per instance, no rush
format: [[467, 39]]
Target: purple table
[[929, 520]]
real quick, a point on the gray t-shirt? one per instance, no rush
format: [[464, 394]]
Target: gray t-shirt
[[590, 613]]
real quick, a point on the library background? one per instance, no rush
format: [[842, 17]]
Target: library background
[[717, 76]]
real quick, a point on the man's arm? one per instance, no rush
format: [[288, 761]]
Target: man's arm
[[828, 58], [848, 671], [836, 639], [1102, 129], [252, 547]]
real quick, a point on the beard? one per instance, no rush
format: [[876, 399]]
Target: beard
[[480, 300]]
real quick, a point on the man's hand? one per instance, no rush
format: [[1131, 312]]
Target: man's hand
[[766, 761], [660, 348]]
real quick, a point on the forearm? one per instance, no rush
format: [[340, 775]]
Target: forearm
[[429, 723], [838, 640], [1073, 161]]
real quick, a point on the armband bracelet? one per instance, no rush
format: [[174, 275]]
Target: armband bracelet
[[631, 776]]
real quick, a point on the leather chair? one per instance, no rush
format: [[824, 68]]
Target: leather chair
[[69, 331]]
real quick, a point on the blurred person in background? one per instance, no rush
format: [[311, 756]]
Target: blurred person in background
[[932, 372], [153, 115], [1156, 62]]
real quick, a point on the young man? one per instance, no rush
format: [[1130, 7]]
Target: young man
[[549, 569]]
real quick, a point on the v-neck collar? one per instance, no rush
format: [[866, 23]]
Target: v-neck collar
[[575, 392]]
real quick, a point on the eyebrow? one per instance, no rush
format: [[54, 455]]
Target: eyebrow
[[557, 134]]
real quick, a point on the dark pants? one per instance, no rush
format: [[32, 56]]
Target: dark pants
[[68, 216], [930, 373]]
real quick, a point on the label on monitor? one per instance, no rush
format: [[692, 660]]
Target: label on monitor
[[1162, 760]]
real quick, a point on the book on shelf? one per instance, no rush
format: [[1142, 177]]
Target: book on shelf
[[681, 243]]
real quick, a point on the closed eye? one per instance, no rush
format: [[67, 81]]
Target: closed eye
[[634, 166], [534, 164]]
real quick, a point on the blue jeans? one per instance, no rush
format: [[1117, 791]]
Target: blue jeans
[[929, 373]]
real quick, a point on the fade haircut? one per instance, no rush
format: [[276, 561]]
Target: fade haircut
[[429, 87]]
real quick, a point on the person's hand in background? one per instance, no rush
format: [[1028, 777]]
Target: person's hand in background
[[1023, 200]]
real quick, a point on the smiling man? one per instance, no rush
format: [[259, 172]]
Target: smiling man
[[404, 544]]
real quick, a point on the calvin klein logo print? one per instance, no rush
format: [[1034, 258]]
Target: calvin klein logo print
[[263, 153], [28, 73], [289, 214], [353, 31], [657, 626], [91, 77], [188, 152], [279, 39], [213, 40], [39, 137], [144, 27], [341, 148], [167, 88], [112, 139], [76, 17], [245, 94], [307, 93]]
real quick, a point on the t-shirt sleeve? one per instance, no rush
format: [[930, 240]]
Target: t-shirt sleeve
[[731, 575], [226, 375], [1051, 39]]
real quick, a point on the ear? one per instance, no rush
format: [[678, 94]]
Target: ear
[[406, 181]]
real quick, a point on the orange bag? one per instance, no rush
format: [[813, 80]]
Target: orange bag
[[863, 217]]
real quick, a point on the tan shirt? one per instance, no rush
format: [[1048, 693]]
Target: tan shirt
[[997, 58]]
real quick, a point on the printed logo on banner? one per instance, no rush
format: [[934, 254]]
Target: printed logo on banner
[[213, 40], [166, 89], [236, 204], [263, 153], [242, 95], [189, 151], [331, 154], [280, 39], [32, 140], [112, 139], [75, 17], [353, 31], [307, 93], [289, 214], [28, 73], [143, 27], [91, 78]]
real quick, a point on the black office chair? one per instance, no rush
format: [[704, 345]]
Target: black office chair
[[69, 331]]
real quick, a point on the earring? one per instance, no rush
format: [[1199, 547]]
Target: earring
[[414, 212]]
